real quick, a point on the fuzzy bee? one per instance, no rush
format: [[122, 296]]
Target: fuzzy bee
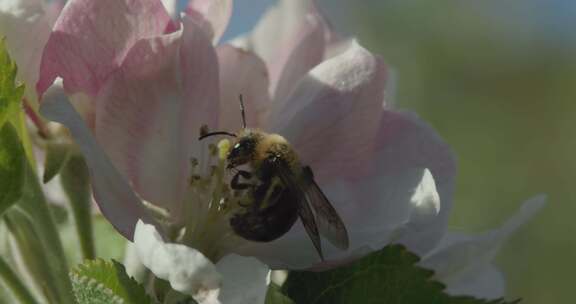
[[280, 190]]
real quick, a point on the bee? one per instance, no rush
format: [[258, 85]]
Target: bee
[[280, 190]]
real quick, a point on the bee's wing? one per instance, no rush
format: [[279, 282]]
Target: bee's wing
[[329, 222], [304, 210], [315, 210]]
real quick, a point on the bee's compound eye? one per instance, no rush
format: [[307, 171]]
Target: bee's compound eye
[[237, 145]]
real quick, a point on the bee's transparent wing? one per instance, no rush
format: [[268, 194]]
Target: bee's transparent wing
[[314, 208], [329, 222], [304, 211]]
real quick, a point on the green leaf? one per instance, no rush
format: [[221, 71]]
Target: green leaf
[[10, 93], [12, 167], [103, 282], [275, 295], [388, 276]]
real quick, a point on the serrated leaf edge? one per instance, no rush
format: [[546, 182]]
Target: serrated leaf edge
[[113, 265], [92, 283]]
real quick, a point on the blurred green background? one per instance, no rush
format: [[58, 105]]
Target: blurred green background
[[497, 79]]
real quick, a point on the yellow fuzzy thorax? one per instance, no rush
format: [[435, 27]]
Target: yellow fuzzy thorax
[[269, 143]]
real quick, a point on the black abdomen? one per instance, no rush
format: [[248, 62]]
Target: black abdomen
[[265, 221]]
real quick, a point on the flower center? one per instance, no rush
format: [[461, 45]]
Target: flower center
[[212, 203]]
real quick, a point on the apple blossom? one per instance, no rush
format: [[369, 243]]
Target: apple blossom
[[145, 84]]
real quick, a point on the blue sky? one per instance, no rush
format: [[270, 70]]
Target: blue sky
[[246, 14]]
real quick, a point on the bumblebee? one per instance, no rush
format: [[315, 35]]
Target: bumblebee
[[280, 190]]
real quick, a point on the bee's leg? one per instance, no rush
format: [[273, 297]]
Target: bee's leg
[[237, 185]]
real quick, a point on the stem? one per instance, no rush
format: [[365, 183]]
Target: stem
[[34, 204], [75, 181], [36, 120], [29, 252], [16, 286]]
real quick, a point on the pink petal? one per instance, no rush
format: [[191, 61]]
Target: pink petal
[[300, 54], [91, 39], [332, 117], [115, 198], [212, 15], [290, 38], [26, 26], [242, 73], [150, 112]]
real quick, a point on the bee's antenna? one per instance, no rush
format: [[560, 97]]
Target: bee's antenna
[[243, 111], [216, 133]]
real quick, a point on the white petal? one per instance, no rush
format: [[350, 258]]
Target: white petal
[[461, 261], [187, 269], [406, 142], [134, 268], [485, 283], [425, 199], [244, 280], [425, 207]]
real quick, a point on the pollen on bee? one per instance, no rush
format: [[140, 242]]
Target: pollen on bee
[[223, 148]]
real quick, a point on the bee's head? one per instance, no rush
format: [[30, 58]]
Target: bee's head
[[242, 151], [244, 148]]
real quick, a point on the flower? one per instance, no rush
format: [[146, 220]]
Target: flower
[[145, 84]]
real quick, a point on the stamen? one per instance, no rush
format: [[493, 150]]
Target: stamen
[[214, 203]]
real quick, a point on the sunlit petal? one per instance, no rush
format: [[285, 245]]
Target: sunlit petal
[[212, 15], [153, 106], [91, 38], [332, 117], [242, 73]]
